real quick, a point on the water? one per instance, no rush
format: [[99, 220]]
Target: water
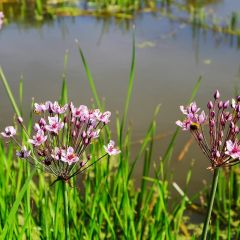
[[170, 58]]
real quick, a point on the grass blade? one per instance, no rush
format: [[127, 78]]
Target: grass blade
[[9, 92], [89, 76], [16, 204]]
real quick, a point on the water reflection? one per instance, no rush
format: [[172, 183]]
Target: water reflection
[[201, 3], [27, 15]]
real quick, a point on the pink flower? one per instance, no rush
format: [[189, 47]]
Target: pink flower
[[55, 107], [192, 120], [69, 156], [91, 133], [40, 125], [82, 112], [1, 19], [191, 109], [38, 139], [57, 153], [233, 149], [104, 118], [110, 149], [55, 125], [202, 118], [185, 124], [23, 153], [9, 131], [39, 108]]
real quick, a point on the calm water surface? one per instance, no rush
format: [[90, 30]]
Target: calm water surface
[[170, 58]]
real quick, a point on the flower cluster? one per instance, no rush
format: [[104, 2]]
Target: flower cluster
[[1, 19], [221, 145], [61, 136]]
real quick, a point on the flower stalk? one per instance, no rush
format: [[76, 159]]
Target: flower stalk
[[65, 209], [210, 204]]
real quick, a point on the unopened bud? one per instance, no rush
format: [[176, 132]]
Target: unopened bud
[[220, 104], [210, 105], [84, 134], [212, 123], [226, 104], [20, 120], [74, 133], [236, 129], [200, 137], [232, 125], [216, 95], [86, 141], [193, 108], [82, 163]]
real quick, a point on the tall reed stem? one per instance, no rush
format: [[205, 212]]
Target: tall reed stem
[[65, 205], [210, 204]]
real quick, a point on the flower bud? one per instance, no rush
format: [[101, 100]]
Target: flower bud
[[236, 129], [220, 104], [232, 125], [84, 134], [74, 134], [226, 104], [200, 137], [222, 120], [212, 123], [82, 163], [193, 108], [86, 141], [216, 95], [20, 120], [210, 105], [212, 114]]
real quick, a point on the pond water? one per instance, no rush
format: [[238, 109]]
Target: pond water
[[171, 55]]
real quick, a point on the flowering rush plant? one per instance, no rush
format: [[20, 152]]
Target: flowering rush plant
[[221, 145], [61, 138]]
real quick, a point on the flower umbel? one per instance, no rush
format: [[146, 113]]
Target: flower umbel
[[61, 138], [221, 145]]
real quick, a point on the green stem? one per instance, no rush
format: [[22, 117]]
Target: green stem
[[65, 204], [210, 205]]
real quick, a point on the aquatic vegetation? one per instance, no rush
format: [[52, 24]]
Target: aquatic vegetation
[[222, 147], [62, 136]]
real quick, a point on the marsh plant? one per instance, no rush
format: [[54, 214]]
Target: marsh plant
[[219, 142], [62, 136]]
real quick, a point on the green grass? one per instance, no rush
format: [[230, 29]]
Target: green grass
[[105, 202]]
